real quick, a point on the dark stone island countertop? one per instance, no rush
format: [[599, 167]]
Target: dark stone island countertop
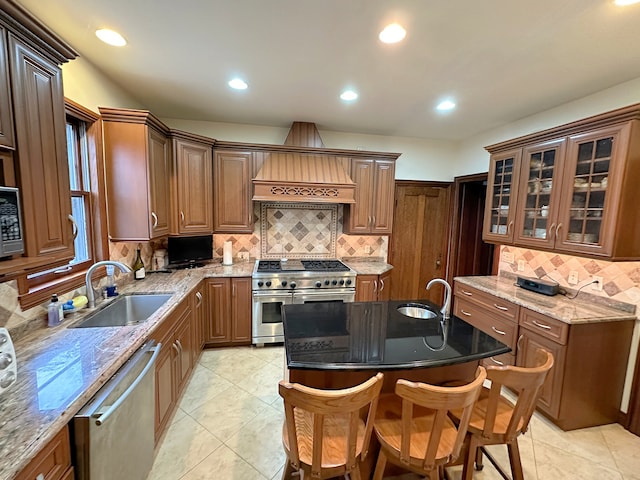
[[366, 335]]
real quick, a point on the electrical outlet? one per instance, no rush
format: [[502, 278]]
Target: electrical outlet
[[367, 249], [507, 257], [597, 286], [521, 265], [573, 278], [243, 255]]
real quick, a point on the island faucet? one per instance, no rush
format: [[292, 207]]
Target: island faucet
[[446, 308], [91, 296]]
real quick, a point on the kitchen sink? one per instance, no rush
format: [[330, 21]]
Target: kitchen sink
[[126, 310], [417, 310]]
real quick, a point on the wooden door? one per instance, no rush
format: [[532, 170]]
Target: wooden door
[[159, 175], [382, 201], [194, 187], [232, 205], [241, 310], [42, 153], [420, 239], [366, 288], [358, 215], [6, 110], [219, 310]]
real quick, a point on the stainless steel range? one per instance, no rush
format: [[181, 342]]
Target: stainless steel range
[[281, 282]]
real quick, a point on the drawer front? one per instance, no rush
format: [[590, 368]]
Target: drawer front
[[494, 304], [546, 326], [499, 360], [485, 320], [52, 462]]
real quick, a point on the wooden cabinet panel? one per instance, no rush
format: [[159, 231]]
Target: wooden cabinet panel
[[165, 387], [193, 166], [483, 319], [384, 290], [198, 307], [7, 138], [233, 207], [545, 326], [494, 305], [183, 338], [372, 212], [53, 462], [41, 152], [502, 196], [373, 288], [137, 174], [229, 311]]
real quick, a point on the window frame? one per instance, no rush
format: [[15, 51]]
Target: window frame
[[37, 291]]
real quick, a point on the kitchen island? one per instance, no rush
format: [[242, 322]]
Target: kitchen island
[[338, 345]]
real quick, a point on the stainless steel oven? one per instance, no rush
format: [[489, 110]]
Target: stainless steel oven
[[11, 241], [276, 283]]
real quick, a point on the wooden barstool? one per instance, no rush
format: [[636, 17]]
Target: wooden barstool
[[324, 435], [495, 420], [414, 429]]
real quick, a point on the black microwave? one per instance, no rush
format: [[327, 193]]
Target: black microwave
[[11, 240]]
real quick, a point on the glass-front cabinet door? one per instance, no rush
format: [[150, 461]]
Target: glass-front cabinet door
[[501, 197], [587, 211], [539, 197]]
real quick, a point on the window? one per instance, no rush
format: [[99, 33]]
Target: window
[[87, 206]]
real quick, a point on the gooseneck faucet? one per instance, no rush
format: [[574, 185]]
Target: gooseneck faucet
[[91, 295], [446, 308]]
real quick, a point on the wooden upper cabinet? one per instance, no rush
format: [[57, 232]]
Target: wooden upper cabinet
[[372, 212], [502, 197], [575, 188], [6, 111], [138, 171], [38, 106], [192, 184], [232, 204]]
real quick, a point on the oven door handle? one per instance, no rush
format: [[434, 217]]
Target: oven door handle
[[282, 295]]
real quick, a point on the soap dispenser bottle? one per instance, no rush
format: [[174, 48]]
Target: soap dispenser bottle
[[54, 312]]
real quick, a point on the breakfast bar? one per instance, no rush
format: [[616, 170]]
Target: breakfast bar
[[339, 345]]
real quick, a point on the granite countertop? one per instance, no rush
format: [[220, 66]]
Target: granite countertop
[[367, 265], [61, 368], [583, 309], [366, 335]]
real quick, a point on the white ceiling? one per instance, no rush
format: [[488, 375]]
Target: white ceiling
[[501, 60]]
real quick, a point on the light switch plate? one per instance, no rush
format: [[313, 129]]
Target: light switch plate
[[521, 265], [507, 257]]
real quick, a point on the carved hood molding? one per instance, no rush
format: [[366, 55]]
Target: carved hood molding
[[317, 175]]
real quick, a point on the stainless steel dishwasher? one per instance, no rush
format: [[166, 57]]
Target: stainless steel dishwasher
[[113, 433]]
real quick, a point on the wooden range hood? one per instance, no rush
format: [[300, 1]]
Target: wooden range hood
[[311, 174]]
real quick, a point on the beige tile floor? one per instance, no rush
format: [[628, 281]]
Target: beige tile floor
[[228, 427]]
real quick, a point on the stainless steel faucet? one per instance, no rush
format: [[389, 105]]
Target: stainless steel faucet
[[91, 295], [446, 308]]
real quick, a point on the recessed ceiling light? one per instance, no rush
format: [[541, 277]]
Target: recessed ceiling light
[[623, 3], [446, 105], [111, 37], [238, 84], [392, 33], [348, 95]]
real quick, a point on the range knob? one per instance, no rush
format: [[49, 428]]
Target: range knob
[[341, 282], [292, 284], [5, 361], [260, 284], [7, 379], [326, 282], [318, 284], [334, 282], [3, 339], [268, 283], [348, 282], [284, 283]]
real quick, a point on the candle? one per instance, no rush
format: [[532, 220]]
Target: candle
[[227, 256]]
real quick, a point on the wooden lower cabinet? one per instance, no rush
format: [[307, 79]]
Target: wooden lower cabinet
[[229, 311], [53, 462], [175, 362], [373, 288], [199, 308]]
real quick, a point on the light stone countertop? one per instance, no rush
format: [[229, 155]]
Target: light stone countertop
[[367, 265], [61, 368], [583, 309]]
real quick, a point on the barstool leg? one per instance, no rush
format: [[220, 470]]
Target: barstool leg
[[514, 459]]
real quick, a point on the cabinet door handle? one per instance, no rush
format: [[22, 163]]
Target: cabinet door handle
[[199, 297], [381, 284], [499, 332], [498, 362], [373, 220], [465, 313], [500, 307], [509, 226], [182, 217], [558, 229], [375, 286], [551, 229], [369, 220], [233, 290], [541, 325], [468, 294], [62, 270], [518, 342], [74, 225], [175, 347], [179, 345], [155, 219]]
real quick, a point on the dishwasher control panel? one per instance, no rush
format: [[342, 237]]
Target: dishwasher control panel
[[8, 367]]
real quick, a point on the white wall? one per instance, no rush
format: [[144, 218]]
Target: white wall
[[420, 160], [85, 84], [473, 158]]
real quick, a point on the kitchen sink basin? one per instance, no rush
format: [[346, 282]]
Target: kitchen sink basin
[[125, 310], [417, 310]]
